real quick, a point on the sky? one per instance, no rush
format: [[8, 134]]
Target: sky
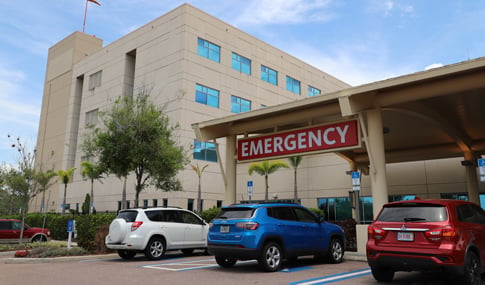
[[357, 41]]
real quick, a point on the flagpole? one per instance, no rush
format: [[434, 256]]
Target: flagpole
[[85, 12]]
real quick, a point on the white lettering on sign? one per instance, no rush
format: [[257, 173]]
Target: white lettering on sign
[[304, 140]]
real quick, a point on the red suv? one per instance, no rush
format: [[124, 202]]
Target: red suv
[[10, 232], [422, 235]]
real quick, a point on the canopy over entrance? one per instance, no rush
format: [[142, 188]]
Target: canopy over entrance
[[439, 113]]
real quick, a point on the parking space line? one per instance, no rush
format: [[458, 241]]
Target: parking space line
[[334, 278], [188, 265]]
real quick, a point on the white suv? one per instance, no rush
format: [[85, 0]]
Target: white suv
[[155, 230]]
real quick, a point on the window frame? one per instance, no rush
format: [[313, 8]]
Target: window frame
[[293, 85], [207, 96], [239, 104], [267, 75], [208, 50], [241, 63]]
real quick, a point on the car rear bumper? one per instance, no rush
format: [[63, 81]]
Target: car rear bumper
[[403, 261], [233, 251]]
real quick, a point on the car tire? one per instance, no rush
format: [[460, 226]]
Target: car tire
[[155, 248], [126, 254], [335, 251], [271, 256], [225, 262], [472, 274], [117, 230], [39, 238], [187, 251], [382, 274]]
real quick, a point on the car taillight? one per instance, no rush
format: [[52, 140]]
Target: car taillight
[[438, 234], [376, 232], [247, 225], [136, 225]]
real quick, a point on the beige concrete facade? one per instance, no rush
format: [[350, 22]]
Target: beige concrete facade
[[161, 56]]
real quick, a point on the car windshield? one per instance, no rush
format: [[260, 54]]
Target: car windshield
[[235, 213], [413, 213], [128, 216]]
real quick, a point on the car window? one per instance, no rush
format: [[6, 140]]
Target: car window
[[470, 214], [172, 216], [155, 215], [5, 225], [413, 212], [235, 213], [128, 216], [304, 216], [16, 225], [190, 218], [282, 213]]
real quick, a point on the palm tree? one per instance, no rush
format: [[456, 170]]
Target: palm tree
[[199, 172], [65, 176], [93, 172], [295, 162], [265, 168], [44, 181]]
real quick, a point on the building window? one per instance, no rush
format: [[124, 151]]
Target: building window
[[293, 85], [205, 151], [95, 80], [241, 64], [239, 105], [165, 202], [208, 50], [207, 96], [269, 75], [312, 91], [145, 203], [91, 118], [190, 204], [219, 203], [155, 202]]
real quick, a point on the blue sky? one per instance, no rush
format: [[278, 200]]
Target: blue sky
[[357, 41]]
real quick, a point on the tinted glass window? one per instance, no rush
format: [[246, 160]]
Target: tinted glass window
[[235, 213], [5, 225], [128, 216], [190, 218], [282, 213], [471, 214], [155, 216], [304, 216], [414, 213]]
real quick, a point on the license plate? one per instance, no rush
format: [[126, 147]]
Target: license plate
[[224, 229], [405, 236]]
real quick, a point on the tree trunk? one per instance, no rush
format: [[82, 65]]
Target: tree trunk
[[267, 188], [91, 200], [64, 200], [295, 192]]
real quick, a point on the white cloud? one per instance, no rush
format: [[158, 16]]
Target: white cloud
[[284, 11], [434, 65]]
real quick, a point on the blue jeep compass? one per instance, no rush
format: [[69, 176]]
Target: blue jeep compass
[[271, 232]]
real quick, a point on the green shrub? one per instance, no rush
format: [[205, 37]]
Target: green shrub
[[88, 225], [209, 214]]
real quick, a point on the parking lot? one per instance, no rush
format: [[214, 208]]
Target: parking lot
[[175, 268]]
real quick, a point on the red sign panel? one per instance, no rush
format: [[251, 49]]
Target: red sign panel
[[321, 138]]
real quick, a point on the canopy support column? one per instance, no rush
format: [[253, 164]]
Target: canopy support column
[[230, 193]]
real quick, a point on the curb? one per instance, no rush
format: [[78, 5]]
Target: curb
[[350, 256], [24, 260]]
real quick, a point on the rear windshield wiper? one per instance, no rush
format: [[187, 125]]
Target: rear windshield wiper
[[413, 219]]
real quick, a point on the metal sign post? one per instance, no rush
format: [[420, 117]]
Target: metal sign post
[[250, 190]]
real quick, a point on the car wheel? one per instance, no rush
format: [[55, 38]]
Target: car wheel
[[155, 249], [270, 259], [382, 274], [39, 238], [472, 274], [187, 251], [225, 262], [336, 251], [117, 230], [126, 254]]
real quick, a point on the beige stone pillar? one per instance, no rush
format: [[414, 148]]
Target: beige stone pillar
[[230, 194], [471, 178], [377, 157]]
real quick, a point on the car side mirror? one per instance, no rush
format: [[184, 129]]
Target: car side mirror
[[321, 219]]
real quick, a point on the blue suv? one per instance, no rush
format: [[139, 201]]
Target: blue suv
[[271, 232]]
